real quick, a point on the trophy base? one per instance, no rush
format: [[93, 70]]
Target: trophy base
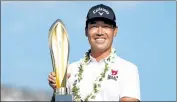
[[63, 98], [63, 94]]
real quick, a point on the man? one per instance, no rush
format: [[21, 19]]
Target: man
[[101, 75]]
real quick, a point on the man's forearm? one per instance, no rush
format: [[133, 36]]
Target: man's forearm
[[53, 97]]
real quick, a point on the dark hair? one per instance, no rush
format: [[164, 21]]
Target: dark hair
[[107, 21]]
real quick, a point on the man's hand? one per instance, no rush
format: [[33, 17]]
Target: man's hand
[[52, 80], [128, 99]]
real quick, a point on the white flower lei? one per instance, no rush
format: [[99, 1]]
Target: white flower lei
[[97, 83]]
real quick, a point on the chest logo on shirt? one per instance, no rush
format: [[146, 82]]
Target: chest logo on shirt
[[113, 75]]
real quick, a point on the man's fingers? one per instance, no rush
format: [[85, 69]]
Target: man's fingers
[[53, 74], [53, 85], [51, 80]]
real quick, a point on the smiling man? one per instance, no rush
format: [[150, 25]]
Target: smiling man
[[101, 75]]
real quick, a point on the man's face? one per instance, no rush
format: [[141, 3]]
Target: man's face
[[100, 34]]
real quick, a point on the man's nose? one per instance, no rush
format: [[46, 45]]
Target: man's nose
[[100, 30]]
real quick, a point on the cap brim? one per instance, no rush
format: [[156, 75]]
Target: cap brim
[[101, 18]]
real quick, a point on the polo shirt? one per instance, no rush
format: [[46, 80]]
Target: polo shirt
[[121, 80]]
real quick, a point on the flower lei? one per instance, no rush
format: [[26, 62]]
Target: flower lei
[[97, 82]]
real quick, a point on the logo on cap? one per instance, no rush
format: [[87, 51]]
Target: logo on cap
[[100, 11]]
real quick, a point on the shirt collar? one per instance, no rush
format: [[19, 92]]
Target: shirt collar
[[92, 59]]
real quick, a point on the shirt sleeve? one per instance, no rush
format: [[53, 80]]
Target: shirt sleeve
[[130, 83], [53, 98]]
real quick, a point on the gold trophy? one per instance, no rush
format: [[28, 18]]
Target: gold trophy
[[59, 51]]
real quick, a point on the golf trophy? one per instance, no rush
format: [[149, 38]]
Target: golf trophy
[[59, 51]]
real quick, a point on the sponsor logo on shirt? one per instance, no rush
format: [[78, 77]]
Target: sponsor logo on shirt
[[113, 75]]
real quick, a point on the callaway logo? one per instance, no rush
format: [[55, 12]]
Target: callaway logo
[[100, 11]]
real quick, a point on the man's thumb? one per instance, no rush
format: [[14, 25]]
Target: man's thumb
[[68, 75]]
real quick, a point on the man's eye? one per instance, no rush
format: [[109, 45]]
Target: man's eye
[[107, 26], [93, 26]]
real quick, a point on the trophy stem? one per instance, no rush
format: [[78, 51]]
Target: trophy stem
[[61, 91]]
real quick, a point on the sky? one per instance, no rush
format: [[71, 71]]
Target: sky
[[146, 37]]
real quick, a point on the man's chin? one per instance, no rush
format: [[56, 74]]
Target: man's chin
[[100, 48]]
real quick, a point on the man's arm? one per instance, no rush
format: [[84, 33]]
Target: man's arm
[[129, 99], [130, 84], [53, 98]]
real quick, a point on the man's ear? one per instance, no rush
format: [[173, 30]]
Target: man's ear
[[115, 31], [86, 32]]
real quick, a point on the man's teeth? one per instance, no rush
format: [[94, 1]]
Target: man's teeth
[[100, 40]]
